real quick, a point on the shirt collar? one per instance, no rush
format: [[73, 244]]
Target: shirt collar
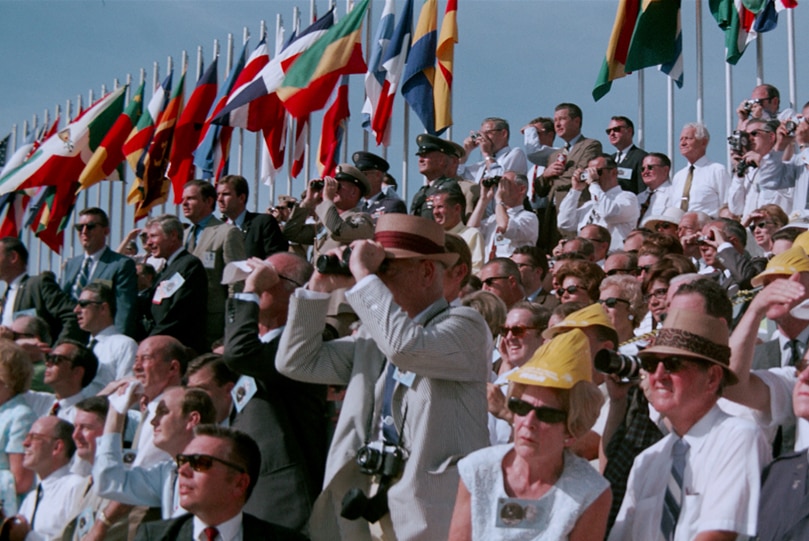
[[228, 529], [173, 256], [239, 221], [268, 336]]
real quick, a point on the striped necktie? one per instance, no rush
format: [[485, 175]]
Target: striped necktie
[[83, 277], [673, 500]]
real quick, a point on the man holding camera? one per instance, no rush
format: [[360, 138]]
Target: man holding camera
[[703, 184], [609, 206], [498, 157], [791, 132], [335, 202], [763, 104], [415, 372]]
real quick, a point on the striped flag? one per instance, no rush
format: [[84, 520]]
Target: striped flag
[[674, 69], [445, 55], [375, 78], [614, 63], [140, 138], [334, 126], [419, 70], [394, 63]]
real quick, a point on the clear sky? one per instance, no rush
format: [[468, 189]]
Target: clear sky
[[516, 59]]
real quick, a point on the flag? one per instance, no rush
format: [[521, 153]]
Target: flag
[[109, 154], [614, 63], [62, 157], [299, 147], [249, 115], [445, 54], [141, 136], [212, 154], [674, 69], [152, 186], [334, 126], [310, 80], [767, 18], [419, 71], [55, 214], [653, 40], [375, 77], [393, 63], [736, 18], [189, 130], [14, 204]]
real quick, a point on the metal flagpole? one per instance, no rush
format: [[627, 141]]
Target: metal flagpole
[[793, 88], [641, 111], [240, 162], [729, 109], [700, 82], [368, 39], [759, 60], [670, 118]]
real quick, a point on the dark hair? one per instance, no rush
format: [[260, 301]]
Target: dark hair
[[13, 244], [221, 372], [199, 401], [537, 256], [454, 244], [772, 92], [507, 267], [63, 431], [206, 189], [732, 228], [499, 123], [244, 450], [103, 220], [626, 121], [148, 270], [104, 293], [717, 303], [37, 327], [585, 246], [588, 272], [83, 358], [539, 314], [238, 183], [573, 110], [97, 405], [787, 233], [547, 123], [603, 233], [454, 196], [662, 157]]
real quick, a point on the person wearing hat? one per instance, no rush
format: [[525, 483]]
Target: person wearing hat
[[498, 157], [655, 171], [438, 162], [416, 373], [727, 262], [282, 210], [666, 223], [535, 487], [376, 202], [757, 167], [337, 208], [701, 481]]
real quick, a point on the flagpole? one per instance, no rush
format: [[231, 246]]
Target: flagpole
[[405, 148], [759, 59], [793, 88], [259, 134], [240, 163], [729, 110], [291, 123], [367, 62], [670, 117], [641, 112], [344, 144], [700, 82]]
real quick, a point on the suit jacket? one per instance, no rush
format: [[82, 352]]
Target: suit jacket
[[42, 294], [633, 160], [182, 529], [440, 413], [579, 155], [742, 269], [262, 235], [767, 355], [184, 314], [295, 419], [119, 272], [784, 502], [218, 244]]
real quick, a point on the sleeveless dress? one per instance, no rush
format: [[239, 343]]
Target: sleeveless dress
[[550, 518]]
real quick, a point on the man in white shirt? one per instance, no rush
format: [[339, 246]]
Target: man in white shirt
[[702, 185], [764, 103], [498, 157], [656, 198], [609, 205]]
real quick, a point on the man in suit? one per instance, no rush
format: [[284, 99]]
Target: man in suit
[[262, 235], [629, 158], [255, 320], [416, 375], [99, 263], [180, 298], [377, 202], [34, 295], [722, 249], [216, 244], [281, 495], [218, 471], [533, 265]]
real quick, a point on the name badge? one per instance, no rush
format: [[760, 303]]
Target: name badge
[[405, 378], [209, 259], [242, 392], [624, 172]]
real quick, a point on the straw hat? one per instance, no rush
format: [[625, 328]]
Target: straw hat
[[588, 316], [560, 363], [671, 215], [404, 236], [784, 264]]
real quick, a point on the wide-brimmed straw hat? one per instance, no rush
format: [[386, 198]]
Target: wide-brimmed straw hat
[[406, 237], [671, 215]]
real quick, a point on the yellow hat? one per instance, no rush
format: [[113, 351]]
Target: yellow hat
[[785, 264], [802, 241], [560, 363], [588, 316]]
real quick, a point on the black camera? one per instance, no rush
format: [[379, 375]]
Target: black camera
[[317, 184], [612, 362], [332, 264], [742, 167], [748, 105], [739, 141], [372, 461], [491, 182], [386, 463]]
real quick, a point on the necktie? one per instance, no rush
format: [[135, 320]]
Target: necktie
[[687, 189], [83, 277], [645, 206], [567, 147], [389, 431], [795, 352], [39, 495], [618, 157], [191, 243], [92, 344], [55, 408], [674, 491], [210, 533]]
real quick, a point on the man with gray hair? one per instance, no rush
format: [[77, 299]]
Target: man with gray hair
[[498, 157], [703, 184], [180, 297]]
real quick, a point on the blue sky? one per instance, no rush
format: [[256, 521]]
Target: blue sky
[[516, 59]]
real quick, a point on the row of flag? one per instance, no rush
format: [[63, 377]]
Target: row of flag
[[165, 140], [648, 33]]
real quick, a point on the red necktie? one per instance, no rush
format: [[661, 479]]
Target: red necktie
[[211, 533]]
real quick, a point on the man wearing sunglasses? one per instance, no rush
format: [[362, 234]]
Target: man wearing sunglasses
[[701, 481], [217, 471], [628, 157], [654, 198], [100, 263]]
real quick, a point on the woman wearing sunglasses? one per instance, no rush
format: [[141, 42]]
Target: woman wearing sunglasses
[[578, 281], [622, 299], [763, 222], [535, 488]]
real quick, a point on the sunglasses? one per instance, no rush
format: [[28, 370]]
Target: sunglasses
[[644, 268], [651, 166], [613, 129], [203, 463], [81, 227], [84, 303], [612, 302], [670, 364], [290, 280], [613, 272], [55, 359], [543, 414], [756, 133], [570, 290], [517, 331], [489, 281], [659, 294], [660, 226], [760, 225]]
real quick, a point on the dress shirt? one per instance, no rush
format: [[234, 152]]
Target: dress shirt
[[781, 382], [42, 402], [783, 341], [750, 192], [59, 490], [230, 530], [615, 209], [147, 454], [507, 158], [796, 175], [536, 152], [720, 483], [522, 230], [94, 258], [11, 296], [709, 186], [238, 222], [474, 240], [116, 356], [661, 199]]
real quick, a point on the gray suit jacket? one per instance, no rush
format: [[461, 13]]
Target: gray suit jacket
[[441, 414]]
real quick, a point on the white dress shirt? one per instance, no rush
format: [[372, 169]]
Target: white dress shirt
[[230, 530], [507, 159], [522, 230], [661, 199], [709, 187], [116, 356], [11, 296], [59, 490], [616, 209]]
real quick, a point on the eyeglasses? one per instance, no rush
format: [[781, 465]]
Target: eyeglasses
[[614, 129], [203, 463], [644, 268], [80, 227], [84, 303], [658, 294], [664, 225], [543, 414], [570, 290], [612, 302], [670, 364], [55, 359], [756, 133], [651, 166], [489, 281], [517, 331], [290, 280], [613, 272], [760, 225]]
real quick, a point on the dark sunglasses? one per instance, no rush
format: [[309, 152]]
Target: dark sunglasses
[[55, 359], [612, 302], [517, 331], [203, 463], [80, 227], [613, 129], [84, 303], [613, 272], [644, 268], [659, 226], [570, 289], [760, 225], [290, 280], [543, 414], [670, 364], [489, 281], [755, 133], [651, 166]]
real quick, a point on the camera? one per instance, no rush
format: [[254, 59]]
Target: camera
[[317, 184], [792, 124], [475, 136], [585, 176], [612, 362], [491, 182], [742, 167], [702, 239], [372, 461], [739, 141], [375, 462], [748, 105], [332, 264]]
